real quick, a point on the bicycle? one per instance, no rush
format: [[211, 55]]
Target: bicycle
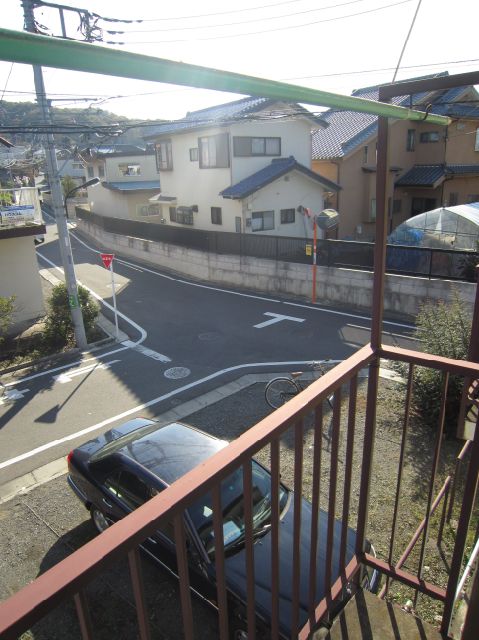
[[281, 389]]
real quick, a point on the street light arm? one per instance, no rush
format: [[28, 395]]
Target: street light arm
[[89, 183]]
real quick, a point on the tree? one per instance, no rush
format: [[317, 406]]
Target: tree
[[58, 324], [68, 183], [7, 309], [444, 329]]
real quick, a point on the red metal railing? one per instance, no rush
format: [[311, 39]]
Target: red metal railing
[[71, 577]]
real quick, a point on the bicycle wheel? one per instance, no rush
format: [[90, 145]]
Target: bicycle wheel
[[279, 391]]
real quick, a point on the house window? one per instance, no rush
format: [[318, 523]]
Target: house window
[[216, 215], [262, 221], [453, 199], [164, 156], [101, 171], [245, 146], [148, 210], [429, 136], [214, 151], [476, 146], [181, 215], [397, 205], [411, 140], [129, 169], [372, 210], [288, 216], [77, 165], [365, 154], [90, 171], [194, 154]]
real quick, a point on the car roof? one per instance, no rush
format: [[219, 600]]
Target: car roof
[[171, 450]]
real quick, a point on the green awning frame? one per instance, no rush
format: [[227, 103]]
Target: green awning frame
[[28, 48]]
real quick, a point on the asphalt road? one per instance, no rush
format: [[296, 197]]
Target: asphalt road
[[185, 338]]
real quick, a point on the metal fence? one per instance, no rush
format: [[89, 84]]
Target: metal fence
[[414, 261]]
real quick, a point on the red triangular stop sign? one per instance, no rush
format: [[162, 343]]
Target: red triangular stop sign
[[107, 259]]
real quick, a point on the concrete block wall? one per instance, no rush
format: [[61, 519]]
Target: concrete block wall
[[334, 286]]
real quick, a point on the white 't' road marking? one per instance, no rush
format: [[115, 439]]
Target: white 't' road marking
[[276, 317], [67, 377]]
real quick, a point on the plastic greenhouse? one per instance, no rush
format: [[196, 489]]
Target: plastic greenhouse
[[444, 228]]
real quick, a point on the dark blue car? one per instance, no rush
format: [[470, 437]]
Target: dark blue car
[[120, 470]]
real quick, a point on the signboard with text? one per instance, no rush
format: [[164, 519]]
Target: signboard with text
[[17, 214], [107, 259]]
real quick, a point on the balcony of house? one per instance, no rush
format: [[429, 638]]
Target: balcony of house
[[415, 530], [20, 213]]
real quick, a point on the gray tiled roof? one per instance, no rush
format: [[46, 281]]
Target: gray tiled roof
[[349, 129], [224, 114], [462, 169], [278, 167]]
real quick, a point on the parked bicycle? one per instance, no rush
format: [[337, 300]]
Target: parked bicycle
[[283, 388]]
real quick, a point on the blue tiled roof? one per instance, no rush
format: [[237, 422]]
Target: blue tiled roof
[[139, 185], [462, 169], [428, 175], [278, 167], [223, 114], [422, 176], [349, 129]]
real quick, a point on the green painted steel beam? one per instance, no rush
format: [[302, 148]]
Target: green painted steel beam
[[19, 46]]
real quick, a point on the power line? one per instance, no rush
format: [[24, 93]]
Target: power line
[[233, 24], [8, 78], [406, 40], [201, 15], [253, 33]]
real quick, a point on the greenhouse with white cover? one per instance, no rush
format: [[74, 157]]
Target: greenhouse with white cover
[[444, 228]]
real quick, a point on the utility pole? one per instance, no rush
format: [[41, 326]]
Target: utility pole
[[57, 193]]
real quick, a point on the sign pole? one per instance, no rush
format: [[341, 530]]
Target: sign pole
[[107, 259], [114, 299], [315, 238]]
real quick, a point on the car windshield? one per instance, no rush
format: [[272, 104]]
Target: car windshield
[[232, 502]]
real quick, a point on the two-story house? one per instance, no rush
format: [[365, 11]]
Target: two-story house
[[244, 166], [129, 179], [428, 167]]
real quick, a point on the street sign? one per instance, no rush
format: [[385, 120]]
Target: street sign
[[107, 259]]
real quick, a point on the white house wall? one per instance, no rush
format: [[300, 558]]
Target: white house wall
[[295, 141], [107, 202], [20, 277], [288, 192]]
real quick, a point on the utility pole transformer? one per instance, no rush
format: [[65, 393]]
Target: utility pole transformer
[[57, 193]]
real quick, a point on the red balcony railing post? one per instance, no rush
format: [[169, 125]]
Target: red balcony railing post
[[298, 488], [136, 574], [461, 534], [315, 506], [83, 613], [220, 562], [248, 517], [185, 593], [348, 468], [275, 475]]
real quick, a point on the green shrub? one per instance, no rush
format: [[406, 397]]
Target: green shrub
[[444, 330], [58, 323], [7, 309]]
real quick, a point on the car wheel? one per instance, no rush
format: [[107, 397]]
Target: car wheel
[[99, 519]]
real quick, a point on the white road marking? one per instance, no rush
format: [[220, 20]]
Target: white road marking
[[12, 395], [276, 317], [388, 333], [145, 405], [146, 352], [67, 377]]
